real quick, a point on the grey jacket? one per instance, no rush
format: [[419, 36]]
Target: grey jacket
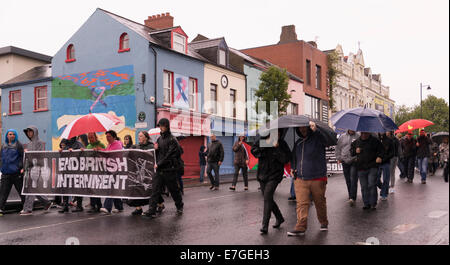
[[343, 146], [35, 143]]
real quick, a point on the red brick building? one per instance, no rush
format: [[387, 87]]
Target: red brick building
[[304, 60]]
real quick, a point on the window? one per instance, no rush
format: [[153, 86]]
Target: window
[[70, 56], [318, 77], [15, 102], [179, 43], [167, 83], [233, 101], [312, 107], [124, 43], [40, 98], [292, 109], [213, 99], [222, 57], [192, 93], [308, 72]]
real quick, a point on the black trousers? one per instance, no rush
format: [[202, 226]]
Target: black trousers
[[410, 163], [244, 175], [270, 206], [215, 180], [169, 179], [446, 171], [6, 184]]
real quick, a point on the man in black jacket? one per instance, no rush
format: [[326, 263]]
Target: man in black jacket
[[168, 163], [215, 156], [423, 152], [369, 153], [385, 166], [409, 149]]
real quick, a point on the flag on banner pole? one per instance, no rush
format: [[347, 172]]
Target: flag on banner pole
[[287, 170], [253, 161]]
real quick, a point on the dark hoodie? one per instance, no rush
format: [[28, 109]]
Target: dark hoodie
[[35, 143], [73, 143], [12, 155]]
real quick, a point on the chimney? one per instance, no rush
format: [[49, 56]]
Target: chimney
[[160, 21], [288, 34]]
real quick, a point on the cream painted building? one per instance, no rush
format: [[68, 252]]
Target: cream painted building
[[357, 86]]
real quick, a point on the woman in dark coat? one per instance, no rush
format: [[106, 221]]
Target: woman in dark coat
[[128, 142], [271, 162]]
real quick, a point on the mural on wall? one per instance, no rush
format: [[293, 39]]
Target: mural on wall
[[102, 91], [181, 92]]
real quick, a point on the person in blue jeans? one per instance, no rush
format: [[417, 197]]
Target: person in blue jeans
[[423, 152], [369, 152], [385, 166]]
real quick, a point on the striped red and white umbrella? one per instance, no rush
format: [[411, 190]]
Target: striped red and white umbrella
[[92, 122]]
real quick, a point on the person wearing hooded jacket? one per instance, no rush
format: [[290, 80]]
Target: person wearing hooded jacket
[[72, 144], [168, 163], [385, 165], [12, 167], [270, 172], [35, 144]]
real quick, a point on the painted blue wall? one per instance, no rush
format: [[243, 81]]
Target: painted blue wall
[[42, 120]]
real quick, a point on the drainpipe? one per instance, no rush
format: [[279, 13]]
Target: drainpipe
[[156, 83]]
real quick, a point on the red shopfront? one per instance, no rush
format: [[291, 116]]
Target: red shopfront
[[195, 127]]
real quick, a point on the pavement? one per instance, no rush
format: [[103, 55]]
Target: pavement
[[416, 214]]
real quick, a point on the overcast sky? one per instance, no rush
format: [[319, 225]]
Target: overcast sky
[[406, 41]]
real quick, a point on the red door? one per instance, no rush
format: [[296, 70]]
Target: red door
[[191, 147]]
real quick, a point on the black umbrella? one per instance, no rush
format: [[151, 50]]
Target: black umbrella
[[438, 137], [290, 122]]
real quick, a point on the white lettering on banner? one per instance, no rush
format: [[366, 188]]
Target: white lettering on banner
[[101, 182], [82, 163], [90, 163]]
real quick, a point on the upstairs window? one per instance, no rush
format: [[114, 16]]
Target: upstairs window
[[168, 87], [40, 98], [124, 43], [70, 56], [213, 99], [15, 102], [179, 42], [233, 102], [318, 77], [193, 94], [308, 72], [222, 57]]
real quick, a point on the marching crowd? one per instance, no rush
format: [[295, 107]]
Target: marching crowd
[[371, 159]]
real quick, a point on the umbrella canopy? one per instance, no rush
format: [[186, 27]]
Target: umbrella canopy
[[92, 122], [438, 137], [413, 125], [363, 120], [290, 122]]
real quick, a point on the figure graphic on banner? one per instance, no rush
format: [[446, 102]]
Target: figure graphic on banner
[[45, 173], [34, 173], [141, 177], [27, 174]]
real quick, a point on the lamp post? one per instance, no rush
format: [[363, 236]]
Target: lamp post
[[428, 88]]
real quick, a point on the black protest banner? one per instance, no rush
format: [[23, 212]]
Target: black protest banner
[[333, 167], [123, 174]]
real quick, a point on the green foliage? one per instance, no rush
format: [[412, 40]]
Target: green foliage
[[273, 87], [332, 74], [68, 89], [434, 109]]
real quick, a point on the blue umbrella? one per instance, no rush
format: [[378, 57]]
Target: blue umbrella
[[363, 120]]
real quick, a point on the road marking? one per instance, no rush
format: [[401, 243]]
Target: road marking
[[401, 229], [236, 193], [51, 225], [437, 214]]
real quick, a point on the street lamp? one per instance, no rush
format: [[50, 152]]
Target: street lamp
[[428, 88]]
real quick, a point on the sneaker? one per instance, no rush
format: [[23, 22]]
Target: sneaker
[[384, 198], [292, 199], [160, 207], [245, 188], [296, 233], [137, 212], [104, 210], [424, 182], [232, 188], [373, 208], [26, 212], [180, 210], [392, 190], [48, 206], [351, 202], [324, 228]]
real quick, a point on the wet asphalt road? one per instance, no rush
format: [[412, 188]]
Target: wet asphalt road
[[415, 214]]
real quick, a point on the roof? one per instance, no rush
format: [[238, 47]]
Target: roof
[[198, 45], [146, 32], [25, 53], [37, 74]]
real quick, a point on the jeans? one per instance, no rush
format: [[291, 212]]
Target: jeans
[[401, 166], [292, 188], [384, 169], [409, 164], [368, 181], [202, 172], [215, 180], [168, 179], [423, 167], [351, 179], [305, 189], [244, 175], [118, 204], [6, 185], [270, 206], [394, 162], [29, 202]]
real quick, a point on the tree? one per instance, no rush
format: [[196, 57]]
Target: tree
[[434, 109], [273, 87], [332, 75]]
